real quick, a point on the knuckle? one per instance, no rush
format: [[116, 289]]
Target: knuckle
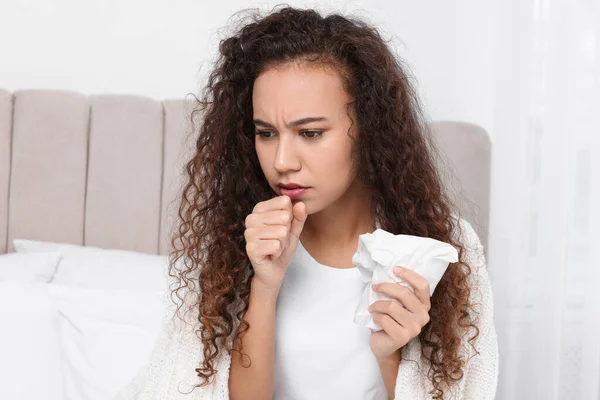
[[426, 319], [285, 201], [416, 329], [282, 231], [403, 290], [389, 306], [395, 307]]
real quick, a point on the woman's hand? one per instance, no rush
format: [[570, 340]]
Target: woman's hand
[[402, 321], [272, 234]]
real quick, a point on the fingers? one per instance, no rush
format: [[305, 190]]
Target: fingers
[[392, 308], [413, 322], [274, 217], [278, 232], [259, 250], [419, 284], [299, 212], [276, 203], [398, 335], [259, 237], [401, 293], [272, 226]]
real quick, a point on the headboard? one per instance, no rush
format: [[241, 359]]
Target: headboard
[[104, 170]]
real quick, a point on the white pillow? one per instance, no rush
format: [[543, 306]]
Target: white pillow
[[96, 268], [29, 268], [106, 337], [29, 343]]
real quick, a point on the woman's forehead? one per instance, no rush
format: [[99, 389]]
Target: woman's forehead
[[297, 91]]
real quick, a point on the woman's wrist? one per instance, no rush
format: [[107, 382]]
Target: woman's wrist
[[393, 359], [263, 293]]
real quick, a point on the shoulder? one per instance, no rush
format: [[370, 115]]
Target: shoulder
[[473, 255], [465, 234]]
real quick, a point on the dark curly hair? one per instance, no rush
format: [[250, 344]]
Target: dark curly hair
[[224, 180]]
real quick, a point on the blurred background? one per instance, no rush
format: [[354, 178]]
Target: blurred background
[[527, 71]]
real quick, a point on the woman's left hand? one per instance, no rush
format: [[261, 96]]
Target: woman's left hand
[[402, 321]]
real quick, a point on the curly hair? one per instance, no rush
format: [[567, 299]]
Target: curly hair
[[224, 180]]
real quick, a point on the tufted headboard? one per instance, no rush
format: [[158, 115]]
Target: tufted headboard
[[104, 170]]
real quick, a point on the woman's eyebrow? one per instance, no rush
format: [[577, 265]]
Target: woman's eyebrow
[[303, 121]]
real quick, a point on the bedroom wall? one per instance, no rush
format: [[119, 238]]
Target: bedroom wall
[[156, 48]]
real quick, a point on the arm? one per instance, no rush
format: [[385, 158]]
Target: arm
[[481, 371], [254, 379], [389, 371]]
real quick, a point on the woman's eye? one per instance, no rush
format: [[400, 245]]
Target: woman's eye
[[261, 133], [308, 134], [317, 134]]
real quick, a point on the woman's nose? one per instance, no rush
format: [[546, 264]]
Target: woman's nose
[[286, 158]]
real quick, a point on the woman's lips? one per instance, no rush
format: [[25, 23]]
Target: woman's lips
[[293, 193]]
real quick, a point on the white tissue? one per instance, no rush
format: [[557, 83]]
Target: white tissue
[[379, 252]]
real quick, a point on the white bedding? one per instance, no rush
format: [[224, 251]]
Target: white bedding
[[86, 336]]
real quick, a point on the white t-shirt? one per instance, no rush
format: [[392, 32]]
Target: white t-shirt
[[320, 353]]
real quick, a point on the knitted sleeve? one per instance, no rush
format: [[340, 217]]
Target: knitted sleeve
[[480, 377], [170, 372], [145, 383], [481, 372]]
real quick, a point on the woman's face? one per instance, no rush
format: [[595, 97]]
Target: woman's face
[[314, 153]]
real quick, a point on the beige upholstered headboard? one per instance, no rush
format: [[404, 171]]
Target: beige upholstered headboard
[[104, 170]]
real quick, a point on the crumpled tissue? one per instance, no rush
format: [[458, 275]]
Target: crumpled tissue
[[379, 252]]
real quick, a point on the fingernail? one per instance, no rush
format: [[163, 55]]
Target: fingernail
[[398, 270], [375, 286]]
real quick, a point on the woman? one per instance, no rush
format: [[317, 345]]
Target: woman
[[312, 135]]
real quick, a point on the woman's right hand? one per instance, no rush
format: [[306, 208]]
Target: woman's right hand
[[272, 234]]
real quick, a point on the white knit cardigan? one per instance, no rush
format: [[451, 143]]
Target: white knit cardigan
[[170, 374]]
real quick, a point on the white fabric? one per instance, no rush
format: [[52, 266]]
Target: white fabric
[[30, 364], [379, 252], [96, 268], [545, 219], [319, 352], [28, 268], [105, 337], [179, 351]]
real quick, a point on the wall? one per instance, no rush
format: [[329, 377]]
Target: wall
[[156, 48]]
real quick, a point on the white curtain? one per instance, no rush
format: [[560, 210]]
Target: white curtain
[[544, 250]]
